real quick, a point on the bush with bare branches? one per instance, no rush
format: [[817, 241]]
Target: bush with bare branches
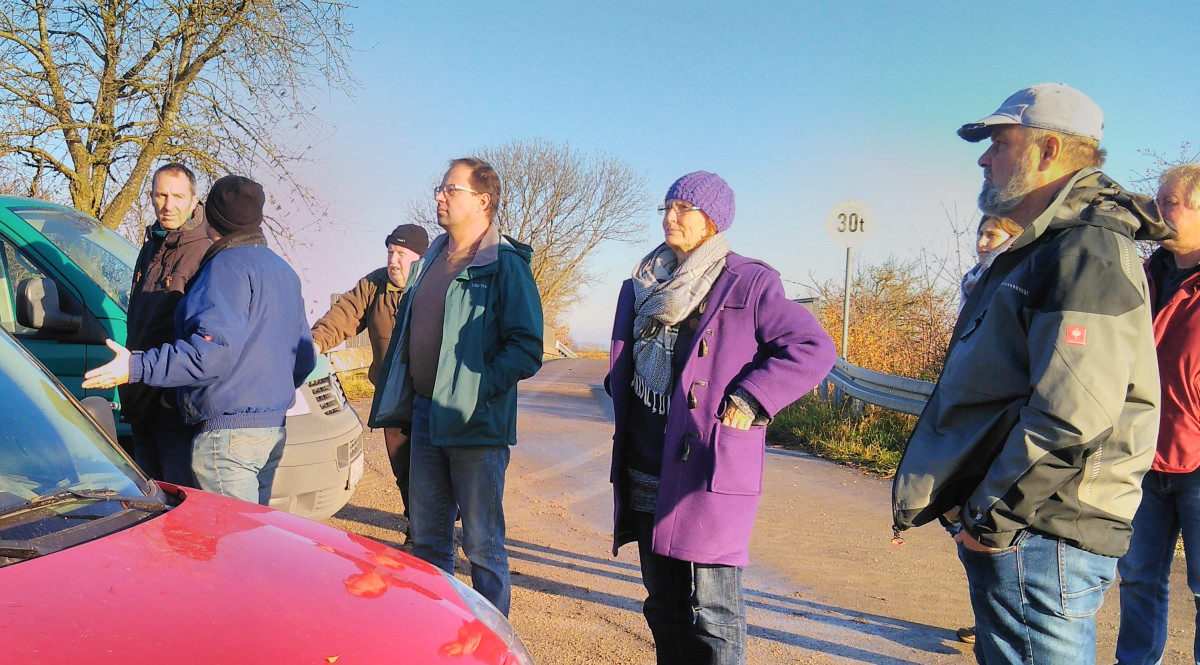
[[901, 317]]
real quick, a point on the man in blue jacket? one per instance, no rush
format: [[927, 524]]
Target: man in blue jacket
[[470, 327], [243, 348]]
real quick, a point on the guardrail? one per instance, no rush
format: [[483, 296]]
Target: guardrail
[[890, 392]]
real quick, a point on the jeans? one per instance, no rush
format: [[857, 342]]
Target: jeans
[[695, 611], [446, 480], [1036, 602], [162, 448], [396, 443], [1170, 504], [240, 462]]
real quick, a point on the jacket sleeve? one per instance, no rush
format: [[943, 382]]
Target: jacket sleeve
[[306, 357], [1087, 327], [520, 327], [347, 317], [213, 333], [795, 351], [621, 346]]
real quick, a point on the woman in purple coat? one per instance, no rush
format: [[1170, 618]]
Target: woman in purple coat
[[706, 349]]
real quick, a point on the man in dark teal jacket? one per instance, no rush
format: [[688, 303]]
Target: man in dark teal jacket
[[470, 327]]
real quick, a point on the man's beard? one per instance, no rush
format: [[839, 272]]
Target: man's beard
[[996, 201]]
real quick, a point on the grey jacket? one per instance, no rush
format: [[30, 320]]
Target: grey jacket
[[1046, 413]]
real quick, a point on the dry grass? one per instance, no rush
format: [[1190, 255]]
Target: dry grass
[[356, 385], [872, 440]]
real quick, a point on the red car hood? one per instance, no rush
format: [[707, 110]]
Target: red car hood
[[216, 580]]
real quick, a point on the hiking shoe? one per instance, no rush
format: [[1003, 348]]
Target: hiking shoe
[[966, 635]]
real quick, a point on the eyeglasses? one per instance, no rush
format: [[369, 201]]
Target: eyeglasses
[[449, 190], [680, 208]]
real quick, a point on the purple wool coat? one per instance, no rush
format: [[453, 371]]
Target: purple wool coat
[[711, 479]]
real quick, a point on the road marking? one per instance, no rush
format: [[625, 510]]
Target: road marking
[[576, 497], [569, 463]]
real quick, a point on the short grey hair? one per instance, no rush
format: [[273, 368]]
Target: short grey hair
[[1187, 175]]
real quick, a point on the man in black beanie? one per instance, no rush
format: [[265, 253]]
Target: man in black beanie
[[371, 305], [242, 348]]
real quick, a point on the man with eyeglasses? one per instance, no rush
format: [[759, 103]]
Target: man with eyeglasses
[[470, 327]]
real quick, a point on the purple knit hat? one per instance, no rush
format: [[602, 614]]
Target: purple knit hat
[[709, 192]]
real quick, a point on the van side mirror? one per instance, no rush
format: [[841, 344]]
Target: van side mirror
[[101, 411], [38, 307]]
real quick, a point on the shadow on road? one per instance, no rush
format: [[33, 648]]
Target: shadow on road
[[916, 636], [373, 517]]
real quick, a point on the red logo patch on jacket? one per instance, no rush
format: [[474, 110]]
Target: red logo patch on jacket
[[1076, 336]]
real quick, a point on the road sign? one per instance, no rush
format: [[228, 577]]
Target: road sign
[[851, 223]]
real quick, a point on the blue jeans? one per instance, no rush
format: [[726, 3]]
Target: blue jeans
[[445, 480], [240, 462], [1036, 602], [162, 447], [695, 611], [1170, 504]]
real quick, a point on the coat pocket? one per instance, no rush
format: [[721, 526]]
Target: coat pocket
[[738, 460]]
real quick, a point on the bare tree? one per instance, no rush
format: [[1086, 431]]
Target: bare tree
[[564, 204], [1146, 181], [94, 92]]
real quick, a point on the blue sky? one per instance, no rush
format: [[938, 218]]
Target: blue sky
[[797, 105]]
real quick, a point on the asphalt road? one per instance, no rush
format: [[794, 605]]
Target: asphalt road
[[825, 584]]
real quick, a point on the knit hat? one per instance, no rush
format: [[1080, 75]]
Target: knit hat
[[234, 203], [709, 192], [409, 236]]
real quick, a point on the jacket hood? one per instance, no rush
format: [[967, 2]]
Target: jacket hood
[[1091, 198], [490, 246]]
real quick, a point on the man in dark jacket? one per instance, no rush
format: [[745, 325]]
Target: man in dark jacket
[[1171, 489], [470, 327], [170, 255], [1044, 418], [242, 348], [371, 305]]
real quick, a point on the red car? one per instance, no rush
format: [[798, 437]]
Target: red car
[[98, 564]]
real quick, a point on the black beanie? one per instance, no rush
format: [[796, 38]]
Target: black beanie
[[409, 236], [234, 203]]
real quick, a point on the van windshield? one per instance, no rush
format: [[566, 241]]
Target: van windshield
[[106, 257]]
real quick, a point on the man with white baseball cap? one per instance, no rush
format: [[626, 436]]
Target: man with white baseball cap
[[1044, 419]]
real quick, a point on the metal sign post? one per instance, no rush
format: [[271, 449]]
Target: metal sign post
[[850, 224]]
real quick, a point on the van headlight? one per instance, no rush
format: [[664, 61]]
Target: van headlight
[[491, 617]]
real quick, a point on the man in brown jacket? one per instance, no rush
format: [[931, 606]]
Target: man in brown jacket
[[371, 305]]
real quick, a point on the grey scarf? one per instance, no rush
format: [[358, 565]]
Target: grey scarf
[[664, 293]]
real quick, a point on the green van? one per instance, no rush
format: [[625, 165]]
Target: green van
[[64, 289]]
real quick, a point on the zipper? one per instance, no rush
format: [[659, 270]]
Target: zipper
[[1096, 460]]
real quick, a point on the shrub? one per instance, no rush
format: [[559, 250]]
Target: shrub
[[873, 439], [356, 385]]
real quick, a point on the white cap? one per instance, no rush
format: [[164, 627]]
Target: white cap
[[1053, 106]]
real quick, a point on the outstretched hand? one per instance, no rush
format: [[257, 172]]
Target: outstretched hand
[[110, 375]]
